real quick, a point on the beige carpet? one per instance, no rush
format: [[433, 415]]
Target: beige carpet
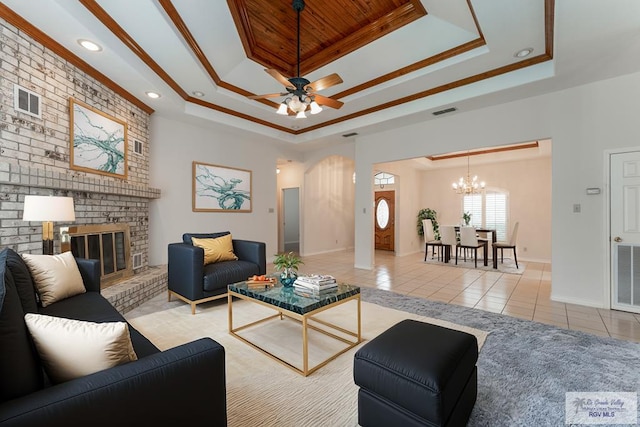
[[261, 391]]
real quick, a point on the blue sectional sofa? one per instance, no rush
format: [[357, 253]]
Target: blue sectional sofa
[[171, 387], [193, 282]]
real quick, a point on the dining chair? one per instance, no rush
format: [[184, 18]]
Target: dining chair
[[469, 240], [430, 240], [511, 244], [448, 239]]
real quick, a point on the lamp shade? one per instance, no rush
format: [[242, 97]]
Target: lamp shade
[[48, 208]]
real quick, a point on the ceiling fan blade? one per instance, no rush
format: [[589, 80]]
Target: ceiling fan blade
[[323, 83], [268, 95], [279, 77], [329, 102]]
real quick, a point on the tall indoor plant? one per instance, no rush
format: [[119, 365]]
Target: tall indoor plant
[[427, 213], [287, 264]]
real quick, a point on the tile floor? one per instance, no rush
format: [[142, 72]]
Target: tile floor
[[525, 296]]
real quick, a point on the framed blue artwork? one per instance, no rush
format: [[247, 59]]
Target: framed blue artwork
[[98, 141], [220, 188]]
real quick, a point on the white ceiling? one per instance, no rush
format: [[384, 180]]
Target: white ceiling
[[592, 40]]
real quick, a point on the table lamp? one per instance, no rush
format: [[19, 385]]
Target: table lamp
[[48, 209]]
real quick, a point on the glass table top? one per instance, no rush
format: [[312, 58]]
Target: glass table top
[[292, 300]]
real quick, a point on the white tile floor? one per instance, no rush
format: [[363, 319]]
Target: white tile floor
[[525, 296]]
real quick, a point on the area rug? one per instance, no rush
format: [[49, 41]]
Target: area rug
[[524, 368], [508, 266], [261, 391]]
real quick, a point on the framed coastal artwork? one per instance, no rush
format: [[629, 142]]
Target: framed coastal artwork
[[220, 188], [98, 141]]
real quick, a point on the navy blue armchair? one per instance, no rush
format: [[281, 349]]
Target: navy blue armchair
[[194, 283]]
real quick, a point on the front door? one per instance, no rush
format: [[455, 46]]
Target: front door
[[625, 231], [385, 220]]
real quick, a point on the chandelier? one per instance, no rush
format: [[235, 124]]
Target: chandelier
[[468, 185]]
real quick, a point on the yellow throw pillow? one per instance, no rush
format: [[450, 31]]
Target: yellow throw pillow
[[216, 250], [72, 348], [56, 276]]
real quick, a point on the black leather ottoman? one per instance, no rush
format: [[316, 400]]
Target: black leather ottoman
[[416, 374]]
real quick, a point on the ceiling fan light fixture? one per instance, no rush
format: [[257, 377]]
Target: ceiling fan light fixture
[[315, 108], [302, 91], [301, 115], [298, 106], [282, 109]]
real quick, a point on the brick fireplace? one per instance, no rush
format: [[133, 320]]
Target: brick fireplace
[[35, 157]]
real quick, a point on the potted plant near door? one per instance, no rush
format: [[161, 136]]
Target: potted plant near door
[[428, 214], [287, 264]]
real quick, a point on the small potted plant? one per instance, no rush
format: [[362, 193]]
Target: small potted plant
[[466, 217], [428, 214], [288, 264]]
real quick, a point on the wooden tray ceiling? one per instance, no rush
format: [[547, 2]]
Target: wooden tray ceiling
[[336, 34], [328, 30]]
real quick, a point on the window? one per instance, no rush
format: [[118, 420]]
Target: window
[[382, 179], [488, 210]]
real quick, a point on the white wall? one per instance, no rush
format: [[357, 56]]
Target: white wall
[[328, 223], [175, 146], [582, 122]]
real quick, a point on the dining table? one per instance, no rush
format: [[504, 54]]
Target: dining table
[[494, 250]]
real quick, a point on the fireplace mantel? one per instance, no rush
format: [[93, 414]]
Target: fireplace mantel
[[34, 177]]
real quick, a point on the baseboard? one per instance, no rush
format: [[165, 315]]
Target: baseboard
[[540, 260], [325, 252], [577, 301]]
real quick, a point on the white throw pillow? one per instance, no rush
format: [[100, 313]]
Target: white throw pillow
[[56, 276], [72, 348]]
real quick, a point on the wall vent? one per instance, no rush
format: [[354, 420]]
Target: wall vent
[[137, 261], [445, 111], [137, 146], [347, 135], [26, 101]]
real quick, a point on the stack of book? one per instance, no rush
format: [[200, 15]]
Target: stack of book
[[315, 284]]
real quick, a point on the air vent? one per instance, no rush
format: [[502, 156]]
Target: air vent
[[137, 146], [137, 260], [445, 111], [26, 101], [347, 135]]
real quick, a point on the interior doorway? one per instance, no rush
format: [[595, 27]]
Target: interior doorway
[[384, 220], [291, 219]]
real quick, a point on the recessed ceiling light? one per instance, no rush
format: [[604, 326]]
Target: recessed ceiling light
[[153, 95], [197, 93], [89, 45], [523, 52]]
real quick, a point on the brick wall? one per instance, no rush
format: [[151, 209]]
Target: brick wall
[[34, 153]]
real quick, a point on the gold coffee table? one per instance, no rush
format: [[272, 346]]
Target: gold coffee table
[[286, 302]]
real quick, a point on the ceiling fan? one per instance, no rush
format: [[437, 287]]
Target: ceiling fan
[[300, 92]]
